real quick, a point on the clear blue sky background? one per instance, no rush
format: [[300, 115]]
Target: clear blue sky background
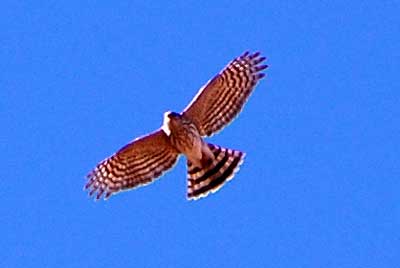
[[320, 184]]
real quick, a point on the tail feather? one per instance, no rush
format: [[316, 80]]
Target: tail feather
[[209, 179]]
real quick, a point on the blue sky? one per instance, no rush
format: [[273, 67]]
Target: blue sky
[[320, 184]]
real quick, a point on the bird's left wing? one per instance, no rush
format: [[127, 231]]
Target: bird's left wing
[[136, 164], [223, 97]]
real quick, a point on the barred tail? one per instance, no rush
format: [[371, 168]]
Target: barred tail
[[202, 181]]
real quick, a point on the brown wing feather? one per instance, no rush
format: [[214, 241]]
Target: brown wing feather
[[136, 164], [223, 97]]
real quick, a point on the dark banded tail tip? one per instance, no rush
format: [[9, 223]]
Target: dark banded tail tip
[[215, 185]]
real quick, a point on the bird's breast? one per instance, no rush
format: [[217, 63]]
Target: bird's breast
[[186, 139]]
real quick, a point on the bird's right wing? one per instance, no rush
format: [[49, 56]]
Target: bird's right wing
[[136, 164], [223, 97]]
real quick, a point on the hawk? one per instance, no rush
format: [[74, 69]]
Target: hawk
[[209, 166]]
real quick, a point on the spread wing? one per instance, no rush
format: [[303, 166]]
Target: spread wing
[[223, 97], [136, 164]]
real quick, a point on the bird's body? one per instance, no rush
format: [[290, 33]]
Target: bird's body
[[209, 166], [185, 137]]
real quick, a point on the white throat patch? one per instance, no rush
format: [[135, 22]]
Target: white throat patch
[[165, 126]]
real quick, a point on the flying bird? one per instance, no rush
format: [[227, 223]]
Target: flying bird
[[209, 166]]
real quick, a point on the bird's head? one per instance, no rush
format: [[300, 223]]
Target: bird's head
[[172, 115], [170, 118]]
